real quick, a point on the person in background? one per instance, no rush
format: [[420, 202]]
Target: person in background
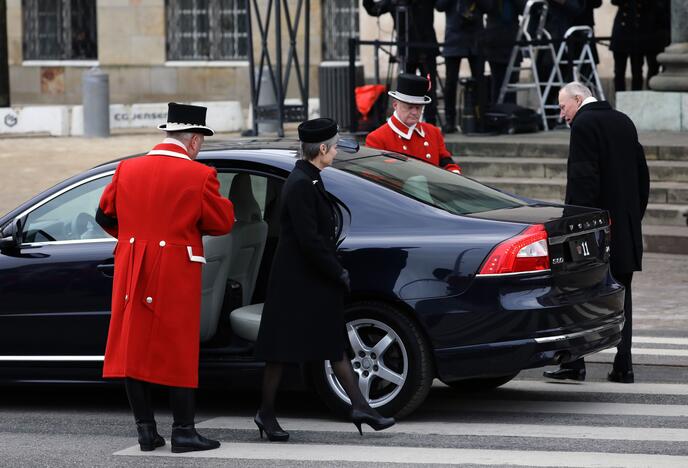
[[405, 133], [497, 40], [464, 21], [421, 17], [303, 315], [158, 206], [660, 38], [586, 18], [635, 36], [607, 170]]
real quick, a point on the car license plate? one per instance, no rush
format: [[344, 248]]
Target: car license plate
[[583, 248]]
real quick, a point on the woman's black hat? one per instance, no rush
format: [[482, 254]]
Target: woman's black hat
[[186, 118], [317, 130], [412, 89]]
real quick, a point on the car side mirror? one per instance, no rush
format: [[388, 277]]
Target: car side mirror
[[11, 236], [348, 145]]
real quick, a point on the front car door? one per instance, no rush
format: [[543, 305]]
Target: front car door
[[56, 287]]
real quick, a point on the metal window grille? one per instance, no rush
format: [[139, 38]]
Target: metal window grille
[[59, 30], [206, 30], [340, 22]]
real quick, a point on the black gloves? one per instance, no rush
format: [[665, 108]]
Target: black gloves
[[344, 280]]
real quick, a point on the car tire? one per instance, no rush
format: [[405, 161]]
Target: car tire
[[480, 385], [405, 354]]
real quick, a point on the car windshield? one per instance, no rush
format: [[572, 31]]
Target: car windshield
[[429, 184]]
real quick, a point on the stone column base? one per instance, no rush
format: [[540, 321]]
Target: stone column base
[[674, 77], [655, 110]]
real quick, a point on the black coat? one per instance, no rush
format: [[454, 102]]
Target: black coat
[[587, 15], [303, 315], [421, 24], [561, 17], [463, 23], [497, 40], [607, 169], [640, 26]]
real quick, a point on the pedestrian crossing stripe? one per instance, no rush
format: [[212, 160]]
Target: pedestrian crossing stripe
[[421, 455]]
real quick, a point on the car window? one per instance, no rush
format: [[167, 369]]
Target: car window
[[429, 184], [258, 185], [69, 216]]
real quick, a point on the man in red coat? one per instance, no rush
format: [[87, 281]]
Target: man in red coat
[[405, 133], [158, 206]]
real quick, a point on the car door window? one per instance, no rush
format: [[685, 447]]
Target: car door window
[[70, 216]]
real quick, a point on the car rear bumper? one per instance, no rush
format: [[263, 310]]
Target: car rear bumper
[[517, 338]]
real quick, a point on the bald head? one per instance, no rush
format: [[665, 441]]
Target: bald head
[[571, 97]]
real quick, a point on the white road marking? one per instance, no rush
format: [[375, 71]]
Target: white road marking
[[595, 387], [446, 456], [660, 340], [466, 429], [652, 352]]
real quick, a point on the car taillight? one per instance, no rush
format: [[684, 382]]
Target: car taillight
[[522, 253]]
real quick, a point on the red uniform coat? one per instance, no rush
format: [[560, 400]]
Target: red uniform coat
[[164, 202], [424, 142]]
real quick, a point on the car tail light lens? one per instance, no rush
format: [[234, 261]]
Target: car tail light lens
[[522, 253]]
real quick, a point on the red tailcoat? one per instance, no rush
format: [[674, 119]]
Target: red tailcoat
[[164, 202], [424, 142]]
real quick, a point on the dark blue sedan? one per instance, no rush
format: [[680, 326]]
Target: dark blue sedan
[[450, 279]]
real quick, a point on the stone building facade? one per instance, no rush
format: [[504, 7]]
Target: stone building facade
[[186, 50]]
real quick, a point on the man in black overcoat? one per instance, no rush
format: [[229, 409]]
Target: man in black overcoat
[[607, 170]]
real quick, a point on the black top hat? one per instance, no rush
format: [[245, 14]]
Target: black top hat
[[317, 130], [186, 118], [412, 89]]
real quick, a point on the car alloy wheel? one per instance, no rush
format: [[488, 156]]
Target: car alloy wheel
[[380, 360], [389, 353]]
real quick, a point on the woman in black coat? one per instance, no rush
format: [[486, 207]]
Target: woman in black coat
[[303, 315]]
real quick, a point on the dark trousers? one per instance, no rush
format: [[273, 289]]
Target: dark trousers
[[498, 70], [620, 59], [622, 361], [453, 65], [428, 67], [182, 401]]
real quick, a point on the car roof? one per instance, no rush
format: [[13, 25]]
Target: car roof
[[277, 150]]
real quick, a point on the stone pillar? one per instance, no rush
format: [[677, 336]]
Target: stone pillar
[[675, 57]]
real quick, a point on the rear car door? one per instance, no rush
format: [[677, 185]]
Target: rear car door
[[56, 287]]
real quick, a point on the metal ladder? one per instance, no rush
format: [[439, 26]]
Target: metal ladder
[[529, 45], [589, 77]]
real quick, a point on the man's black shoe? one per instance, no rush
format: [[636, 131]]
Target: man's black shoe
[[566, 374], [621, 376], [186, 439]]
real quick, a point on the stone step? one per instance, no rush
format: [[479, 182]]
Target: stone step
[[555, 189], [667, 146], [490, 166], [665, 239], [661, 214]]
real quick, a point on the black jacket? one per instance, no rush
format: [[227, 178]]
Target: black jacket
[[463, 23], [303, 315], [421, 24], [607, 169], [561, 17], [640, 26], [497, 40]]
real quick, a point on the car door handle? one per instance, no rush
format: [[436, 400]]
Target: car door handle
[[107, 269]]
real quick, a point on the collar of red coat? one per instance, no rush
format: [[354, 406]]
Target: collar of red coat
[[402, 130], [170, 147]]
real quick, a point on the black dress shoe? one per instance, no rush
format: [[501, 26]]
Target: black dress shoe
[[371, 418], [621, 376], [186, 439], [566, 374], [149, 439]]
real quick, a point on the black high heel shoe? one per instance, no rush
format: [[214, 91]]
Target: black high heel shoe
[[275, 434], [371, 418]]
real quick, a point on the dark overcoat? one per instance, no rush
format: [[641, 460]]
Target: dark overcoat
[[421, 18], [497, 40], [303, 315], [607, 169], [640, 26], [561, 17], [462, 28]]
